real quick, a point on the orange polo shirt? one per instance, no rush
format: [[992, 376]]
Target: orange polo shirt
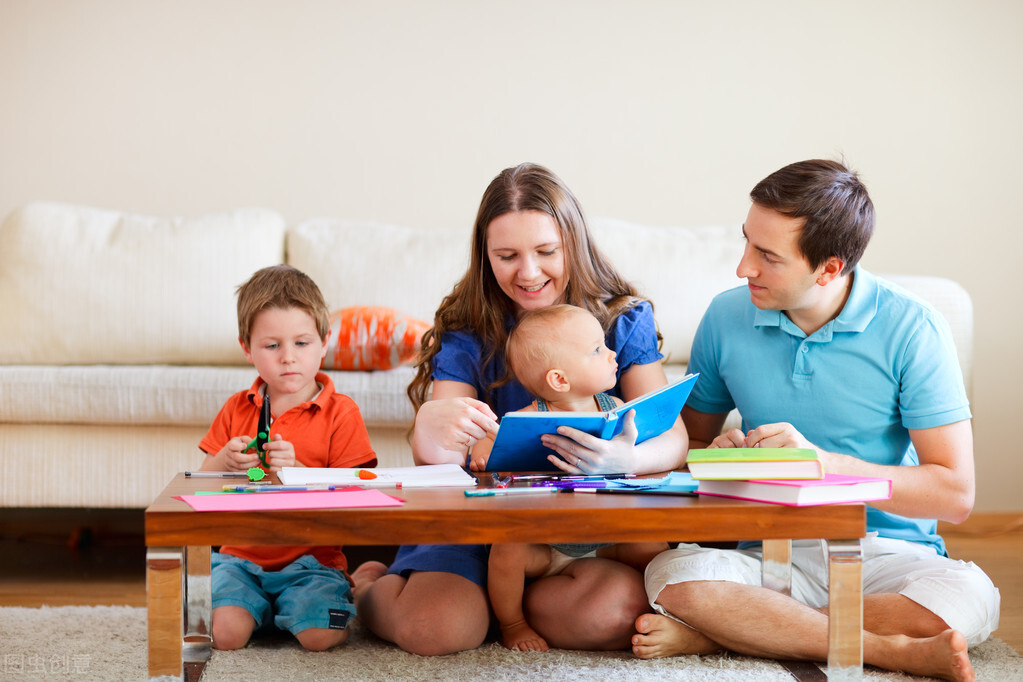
[[327, 431]]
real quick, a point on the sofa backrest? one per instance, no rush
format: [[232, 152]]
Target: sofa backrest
[[680, 269], [81, 286], [359, 263]]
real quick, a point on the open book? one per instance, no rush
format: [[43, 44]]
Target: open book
[[517, 446]]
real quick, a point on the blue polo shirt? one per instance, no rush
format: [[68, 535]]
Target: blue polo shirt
[[856, 386]]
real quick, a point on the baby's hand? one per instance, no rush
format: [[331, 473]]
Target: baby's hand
[[279, 453], [480, 453]]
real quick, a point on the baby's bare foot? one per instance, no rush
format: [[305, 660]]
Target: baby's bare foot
[[520, 637]]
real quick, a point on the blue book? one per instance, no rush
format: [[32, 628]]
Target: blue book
[[517, 446]]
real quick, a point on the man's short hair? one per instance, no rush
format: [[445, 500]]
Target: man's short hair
[[280, 286], [838, 211]]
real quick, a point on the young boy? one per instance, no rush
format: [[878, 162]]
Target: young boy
[[283, 329], [558, 354]]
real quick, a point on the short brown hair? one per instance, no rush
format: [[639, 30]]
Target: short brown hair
[[280, 286], [838, 211]]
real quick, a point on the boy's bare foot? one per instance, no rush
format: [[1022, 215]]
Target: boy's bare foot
[[520, 637], [365, 575], [659, 636], [944, 656]]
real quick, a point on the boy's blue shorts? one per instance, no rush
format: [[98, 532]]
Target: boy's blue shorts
[[304, 594], [468, 561]]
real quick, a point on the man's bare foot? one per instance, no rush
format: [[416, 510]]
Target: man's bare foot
[[944, 656], [520, 637], [365, 575], [659, 636]]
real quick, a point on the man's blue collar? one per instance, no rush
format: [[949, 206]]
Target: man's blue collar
[[858, 311]]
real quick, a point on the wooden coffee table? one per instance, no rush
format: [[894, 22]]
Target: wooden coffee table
[[178, 542]]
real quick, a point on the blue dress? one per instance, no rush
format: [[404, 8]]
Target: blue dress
[[633, 337]]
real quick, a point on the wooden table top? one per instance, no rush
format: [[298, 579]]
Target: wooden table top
[[446, 515]]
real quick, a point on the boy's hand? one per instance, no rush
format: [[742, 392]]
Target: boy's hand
[[280, 453], [235, 458]]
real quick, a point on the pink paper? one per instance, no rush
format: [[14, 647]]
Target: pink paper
[[340, 499]]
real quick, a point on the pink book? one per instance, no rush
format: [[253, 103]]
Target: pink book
[[272, 501], [832, 489]]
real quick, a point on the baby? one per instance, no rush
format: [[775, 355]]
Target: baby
[[559, 355]]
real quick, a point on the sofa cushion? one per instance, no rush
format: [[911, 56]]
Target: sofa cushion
[[372, 264], [81, 285], [680, 269], [372, 337], [151, 395]]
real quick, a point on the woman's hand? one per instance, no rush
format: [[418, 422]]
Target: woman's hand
[[447, 427], [581, 453]]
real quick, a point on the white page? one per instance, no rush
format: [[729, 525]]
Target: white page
[[425, 476]]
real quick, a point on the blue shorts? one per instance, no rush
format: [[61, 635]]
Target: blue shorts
[[304, 594], [468, 561]]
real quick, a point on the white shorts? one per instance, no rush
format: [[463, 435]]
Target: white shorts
[[956, 591]]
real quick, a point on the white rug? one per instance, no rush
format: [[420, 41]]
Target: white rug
[[109, 643]]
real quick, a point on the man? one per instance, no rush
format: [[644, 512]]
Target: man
[[817, 353]]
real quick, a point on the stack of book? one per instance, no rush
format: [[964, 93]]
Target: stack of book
[[790, 476]]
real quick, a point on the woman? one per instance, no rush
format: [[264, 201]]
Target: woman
[[531, 249]]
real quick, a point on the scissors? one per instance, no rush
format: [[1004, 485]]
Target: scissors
[[263, 431]]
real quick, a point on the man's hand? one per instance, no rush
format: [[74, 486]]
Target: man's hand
[[780, 435]]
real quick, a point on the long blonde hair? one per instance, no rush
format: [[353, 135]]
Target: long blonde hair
[[477, 303]]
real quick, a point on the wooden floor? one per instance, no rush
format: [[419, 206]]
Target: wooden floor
[[96, 557]]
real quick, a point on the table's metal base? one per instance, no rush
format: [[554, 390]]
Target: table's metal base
[[180, 605]]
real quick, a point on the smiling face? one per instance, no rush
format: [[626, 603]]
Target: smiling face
[[286, 350], [527, 257]]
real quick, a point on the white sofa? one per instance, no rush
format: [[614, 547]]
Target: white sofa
[[120, 340]]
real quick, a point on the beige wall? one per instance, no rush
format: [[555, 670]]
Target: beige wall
[[657, 112]]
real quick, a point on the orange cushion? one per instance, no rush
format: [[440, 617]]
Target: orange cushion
[[372, 337]]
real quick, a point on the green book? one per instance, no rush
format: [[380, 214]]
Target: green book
[[752, 463]]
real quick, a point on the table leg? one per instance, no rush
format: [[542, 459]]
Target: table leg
[[198, 605], [164, 587], [845, 595], [777, 566]]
